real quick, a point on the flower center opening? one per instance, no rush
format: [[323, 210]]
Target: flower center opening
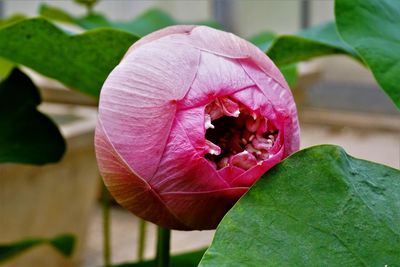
[[236, 135]]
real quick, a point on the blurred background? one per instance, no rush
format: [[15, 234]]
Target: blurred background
[[339, 103]]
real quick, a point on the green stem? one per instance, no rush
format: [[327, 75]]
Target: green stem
[[89, 9], [106, 226], [142, 239], [163, 246]]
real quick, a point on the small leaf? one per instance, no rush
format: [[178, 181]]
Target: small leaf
[[11, 20], [314, 42], [26, 135], [263, 40], [290, 74], [372, 27], [209, 23], [149, 21], [62, 243], [93, 21], [189, 259], [55, 13], [5, 67], [319, 207], [81, 61]]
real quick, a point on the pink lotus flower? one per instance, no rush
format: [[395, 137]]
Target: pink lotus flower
[[188, 121]]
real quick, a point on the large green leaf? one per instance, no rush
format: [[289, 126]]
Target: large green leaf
[[62, 243], [189, 259], [26, 135], [372, 27], [319, 207], [286, 50], [80, 61], [314, 42]]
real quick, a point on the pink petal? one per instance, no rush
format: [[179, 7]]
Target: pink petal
[[274, 101], [202, 210], [248, 178], [128, 188], [243, 160], [182, 168], [217, 76], [229, 173], [232, 46], [279, 95], [229, 107], [138, 101], [193, 123], [177, 29]]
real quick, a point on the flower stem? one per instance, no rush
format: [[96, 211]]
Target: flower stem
[[163, 246], [106, 226], [142, 239]]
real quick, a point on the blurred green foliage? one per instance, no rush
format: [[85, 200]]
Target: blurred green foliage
[[147, 22], [63, 243]]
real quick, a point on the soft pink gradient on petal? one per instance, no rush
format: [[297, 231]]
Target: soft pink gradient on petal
[[232, 46], [248, 178], [230, 173], [178, 29], [138, 101], [159, 104], [283, 104], [191, 122], [129, 189], [210, 207], [183, 169], [217, 76]]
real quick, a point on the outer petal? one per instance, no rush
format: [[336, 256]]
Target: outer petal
[[138, 101], [281, 100], [217, 76], [259, 67], [229, 173], [183, 169], [232, 46], [252, 175], [128, 188], [203, 210], [171, 30]]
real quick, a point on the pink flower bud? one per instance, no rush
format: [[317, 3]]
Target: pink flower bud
[[188, 121]]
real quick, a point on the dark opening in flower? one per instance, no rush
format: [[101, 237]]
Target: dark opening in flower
[[236, 135]]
